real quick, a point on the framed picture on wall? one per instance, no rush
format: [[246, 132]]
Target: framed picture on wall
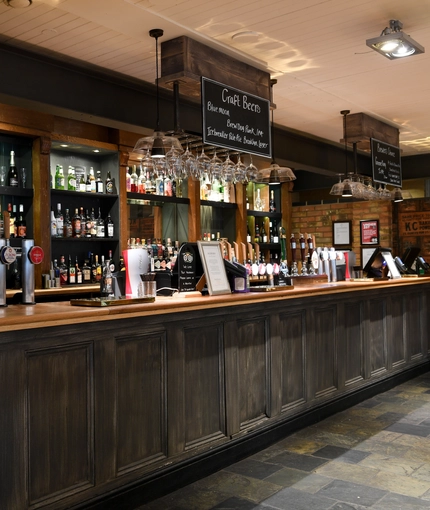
[[342, 234], [369, 232], [366, 253]]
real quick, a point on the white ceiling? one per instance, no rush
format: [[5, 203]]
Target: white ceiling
[[315, 48]]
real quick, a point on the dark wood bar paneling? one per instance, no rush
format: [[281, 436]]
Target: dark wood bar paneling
[[140, 400]]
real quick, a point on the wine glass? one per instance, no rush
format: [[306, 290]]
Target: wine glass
[[2, 176], [251, 171]]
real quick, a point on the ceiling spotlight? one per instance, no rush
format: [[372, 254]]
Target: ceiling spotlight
[[18, 3], [393, 43]]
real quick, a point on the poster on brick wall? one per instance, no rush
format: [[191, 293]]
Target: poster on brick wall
[[412, 220]]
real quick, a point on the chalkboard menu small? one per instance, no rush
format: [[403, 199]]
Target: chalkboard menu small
[[386, 163], [235, 120], [186, 262]]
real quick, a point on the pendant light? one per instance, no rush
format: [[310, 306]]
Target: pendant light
[[159, 143], [274, 174]]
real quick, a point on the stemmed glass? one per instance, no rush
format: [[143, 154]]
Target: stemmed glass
[[240, 171], [23, 176], [2, 176], [189, 166], [215, 171], [251, 171], [228, 170], [203, 163]]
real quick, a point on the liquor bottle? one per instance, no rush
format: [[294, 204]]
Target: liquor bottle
[[83, 222], [141, 182], [63, 271], [111, 262], [78, 272], [293, 246], [71, 179], [106, 289], [86, 272], [110, 227], [76, 224], [168, 188], [248, 234], [128, 180], [274, 234], [13, 232], [263, 233], [99, 270], [247, 202], [71, 274], [100, 226], [159, 185], [99, 183], [53, 224], [82, 184], [1, 224], [67, 226], [93, 268], [258, 204], [272, 203], [93, 227], [92, 180], [59, 177], [133, 180], [257, 238], [21, 225], [109, 183], [88, 184], [88, 225], [13, 174]]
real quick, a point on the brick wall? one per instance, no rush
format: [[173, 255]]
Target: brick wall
[[318, 221]]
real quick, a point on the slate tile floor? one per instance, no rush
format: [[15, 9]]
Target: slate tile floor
[[375, 455]]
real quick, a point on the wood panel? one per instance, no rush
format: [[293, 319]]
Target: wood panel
[[141, 400], [377, 335], [293, 357], [396, 332], [353, 339], [413, 325], [60, 430]]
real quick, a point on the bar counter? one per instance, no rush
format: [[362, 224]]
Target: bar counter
[[112, 406]]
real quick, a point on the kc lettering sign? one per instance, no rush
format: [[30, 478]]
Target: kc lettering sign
[[414, 224], [235, 120]]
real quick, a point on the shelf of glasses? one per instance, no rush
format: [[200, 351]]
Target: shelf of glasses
[[219, 205], [264, 214], [157, 199]]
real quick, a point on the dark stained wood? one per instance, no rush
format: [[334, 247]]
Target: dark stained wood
[[360, 127], [352, 340], [377, 335]]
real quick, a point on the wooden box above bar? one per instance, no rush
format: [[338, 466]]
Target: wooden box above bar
[[360, 128], [186, 61]]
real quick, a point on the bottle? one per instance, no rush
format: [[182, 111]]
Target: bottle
[[83, 222], [141, 182], [257, 238], [53, 224], [258, 205], [67, 225], [109, 183], [168, 188], [248, 234], [1, 224], [99, 183], [127, 180], [76, 224], [98, 269], [60, 221], [21, 225], [88, 225], [302, 243], [59, 177], [106, 289], [93, 222], [63, 271], [133, 180], [111, 262], [82, 184], [272, 203], [71, 271], [92, 180], [13, 174], [100, 226], [13, 232], [71, 179], [78, 272], [263, 233], [159, 185], [86, 272], [179, 188], [293, 246], [110, 227], [88, 184], [93, 268]]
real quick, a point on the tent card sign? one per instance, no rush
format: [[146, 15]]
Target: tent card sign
[[186, 262]]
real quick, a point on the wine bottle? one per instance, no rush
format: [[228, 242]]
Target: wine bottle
[[100, 226], [76, 224], [109, 183], [272, 203], [67, 227], [110, 227], [257, 238], [63, 271], [78, 272], [263, 233], [92, 180], [21, 225], [13, 174], [99, 183]]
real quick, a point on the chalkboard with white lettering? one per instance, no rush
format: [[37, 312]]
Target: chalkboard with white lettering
[[235, 120], [186, 262], [386, 163]]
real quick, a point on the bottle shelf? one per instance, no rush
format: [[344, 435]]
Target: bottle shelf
[[85, 239], [157, 198], [68, 193], [17, 192], [264, 214], [219, 205]]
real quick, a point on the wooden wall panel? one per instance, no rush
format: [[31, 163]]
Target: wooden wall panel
[[293, 358], [353, 339], [377, 335], [396, 331], [60, 421], [253, 370], [141, 400], [204, 384], [413, 324]]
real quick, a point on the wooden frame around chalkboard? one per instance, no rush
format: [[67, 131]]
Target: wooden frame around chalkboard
[[342, 234]]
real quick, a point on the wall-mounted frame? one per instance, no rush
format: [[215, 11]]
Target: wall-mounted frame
[[213, 267], [366, 253], [369, 232], [342, 234]]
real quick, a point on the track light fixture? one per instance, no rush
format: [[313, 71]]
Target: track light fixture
[[393, 43]]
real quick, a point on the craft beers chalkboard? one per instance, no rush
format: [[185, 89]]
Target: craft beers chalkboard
[[386, 164], [235, 120]]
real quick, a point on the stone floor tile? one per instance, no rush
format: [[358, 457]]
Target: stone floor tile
[[349, 492], [296, 461], [422, 473], [330, 452], [312, 483], [418, 454], [235, 504], [254, 468], [352, 456], [348, 472], [286, 477], [293, 499], [390, 464], [383, 448], [406, 485], [413, 430], [393, 501]]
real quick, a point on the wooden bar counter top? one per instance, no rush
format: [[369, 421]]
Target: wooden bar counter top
[[112, 406]]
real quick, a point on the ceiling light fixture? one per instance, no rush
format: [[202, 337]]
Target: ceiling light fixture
[[18, 3], [274, 174], [159, 143], [393, 43]]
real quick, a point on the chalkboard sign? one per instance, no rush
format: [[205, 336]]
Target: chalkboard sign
[[235, 120], [186, 262], [386, 163]]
